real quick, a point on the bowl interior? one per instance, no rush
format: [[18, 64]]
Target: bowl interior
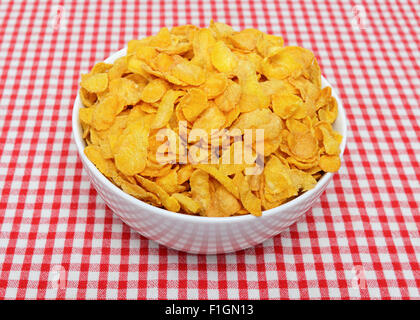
[[339, 125]]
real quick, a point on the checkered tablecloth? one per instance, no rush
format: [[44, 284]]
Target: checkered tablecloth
[[360, 240]]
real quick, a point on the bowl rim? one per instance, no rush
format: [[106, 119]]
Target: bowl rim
[[76, 130]]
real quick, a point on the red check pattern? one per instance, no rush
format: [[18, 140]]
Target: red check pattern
[[59, 240]]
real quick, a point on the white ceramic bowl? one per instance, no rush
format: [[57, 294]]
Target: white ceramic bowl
[[196, 234]]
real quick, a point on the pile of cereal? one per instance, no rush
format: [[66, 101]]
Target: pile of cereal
[[210, 121]]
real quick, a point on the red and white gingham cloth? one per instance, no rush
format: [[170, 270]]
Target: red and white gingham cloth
[[360, 240]]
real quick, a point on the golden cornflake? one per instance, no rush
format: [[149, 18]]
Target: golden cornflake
[[165, 122]]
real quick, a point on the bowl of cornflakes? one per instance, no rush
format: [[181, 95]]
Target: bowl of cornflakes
[[209, 140]]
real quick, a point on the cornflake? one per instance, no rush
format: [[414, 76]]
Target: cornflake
[[165, 122]]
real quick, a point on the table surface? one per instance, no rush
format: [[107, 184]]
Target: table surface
[[360, 240]]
